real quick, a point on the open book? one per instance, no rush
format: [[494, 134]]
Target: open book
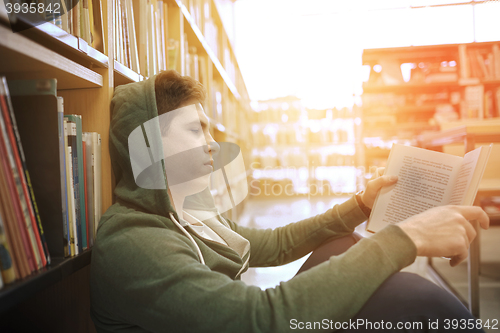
[[426, 179]]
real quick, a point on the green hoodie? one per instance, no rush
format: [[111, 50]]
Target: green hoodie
[[146, 275]]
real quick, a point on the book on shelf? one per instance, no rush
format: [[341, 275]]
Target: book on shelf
[[134, 55], [77, 149], [8, 274], [84, 153], [472, 105], [163, 33], [73, 216], [62, 167], [89, 184], [67, 174], [426, 179], [173, 53], [97, 178], [152, 46], [14, 230]]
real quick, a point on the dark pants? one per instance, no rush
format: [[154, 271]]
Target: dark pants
[[404, 299]]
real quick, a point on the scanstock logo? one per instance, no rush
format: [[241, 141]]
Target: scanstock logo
[[24, 14]]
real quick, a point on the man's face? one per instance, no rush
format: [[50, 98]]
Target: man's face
[[187, 148]]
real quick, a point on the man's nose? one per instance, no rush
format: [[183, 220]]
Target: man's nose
[[212, 147]]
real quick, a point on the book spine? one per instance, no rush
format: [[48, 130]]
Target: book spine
[[21, 267], [91, 23], [67, 190], [134, 56], [77, 152], [6, 263], [152, 39], [12, 193], [62, 167], [126, 30], [76, 185], [90, 188], [97, 179], [64, 17], [84, 151], [496, 61], [73, 212], [83, 212]]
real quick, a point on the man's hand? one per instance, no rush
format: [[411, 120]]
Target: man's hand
[[445, 231], [374, 185]]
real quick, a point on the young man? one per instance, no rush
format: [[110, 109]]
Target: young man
[[166, 261]]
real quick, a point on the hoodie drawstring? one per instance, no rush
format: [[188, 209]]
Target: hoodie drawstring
[[202, 260]]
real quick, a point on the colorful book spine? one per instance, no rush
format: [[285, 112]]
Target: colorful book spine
[[21, 265], [20, 180], [12, 194], [20, 160], [6, 263], [31, 193]]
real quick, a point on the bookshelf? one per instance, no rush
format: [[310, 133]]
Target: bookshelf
[[420, 89], [56, 298], [307, 151]]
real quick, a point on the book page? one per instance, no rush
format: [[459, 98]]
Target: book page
[[475, 161], [424, 182], [464, 177]]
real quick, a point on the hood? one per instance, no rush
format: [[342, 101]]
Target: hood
[[133, 105]]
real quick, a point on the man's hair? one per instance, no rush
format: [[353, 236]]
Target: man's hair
[[172, 90]]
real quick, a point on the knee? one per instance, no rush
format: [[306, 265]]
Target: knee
[[412, 294]]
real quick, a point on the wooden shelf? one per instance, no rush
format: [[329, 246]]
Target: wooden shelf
[[60, 41], [411, 53], [193, 29], [391, 110], [410, 87], [60, 268], [24, 59], [123, 75]]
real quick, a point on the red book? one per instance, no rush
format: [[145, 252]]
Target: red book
[[13, 143], [18, 215]]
